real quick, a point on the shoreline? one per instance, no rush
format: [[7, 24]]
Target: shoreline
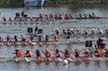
[[74, 5]]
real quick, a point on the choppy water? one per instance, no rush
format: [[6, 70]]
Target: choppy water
[[22, 29]]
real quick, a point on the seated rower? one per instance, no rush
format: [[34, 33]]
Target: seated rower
[[68, 55], [8, 38], [57, 55], [4, 19], [92, 31], [57, 31], [85, 32], [23, 40], [56, 38], [69, 34], [86, 54], [99, 41], [106, 52], [77, 53], [15, 38], [39, 42], [38, 56], [18, 54], [28, 53], [46, 38], [10, 19], [106, 30], [47, 54], [97, 53], [1, 41], [31, 38]]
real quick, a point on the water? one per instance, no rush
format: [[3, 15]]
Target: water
[[5, 51]]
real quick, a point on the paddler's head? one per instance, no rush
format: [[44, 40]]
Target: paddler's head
[[18, 49], [46, 49], [28, 50], [37, 51], [57, 50]]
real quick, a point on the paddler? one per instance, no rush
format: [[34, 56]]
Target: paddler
[[28, 53], [56, 38], [47, 54], [51, 17], [8, 38], [40, 16], [106, 30], [39, 57], [15, 38], [23, 38], [57, 31], [57, 53], [85, 16], [86, 54], [38, 53], [46, 38], [68, 55], [10, 20], [18, 54], [106, 52], [36, 29], [90, 16], [97, 53], [1, 39], [77, 53], [31, 38], [99, 41], [93, 15], [80, 15], [69, 34], [4, 19]]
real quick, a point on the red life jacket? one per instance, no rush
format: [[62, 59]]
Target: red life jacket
[[58, 54], [68, 54], [77, 54], [48, 54], [87, 54], [97, 53], [28, 54], [18, 53]]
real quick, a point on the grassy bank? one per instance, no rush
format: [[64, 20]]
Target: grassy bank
[[88, 5], [53, 3], [8, 3]]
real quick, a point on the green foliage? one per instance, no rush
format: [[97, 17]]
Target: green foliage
[[9, 3]]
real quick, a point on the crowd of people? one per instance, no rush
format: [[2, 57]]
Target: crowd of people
[[48, 55], [46, 17]]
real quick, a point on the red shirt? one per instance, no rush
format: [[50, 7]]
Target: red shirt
[[68, 54], [18, 53], [48, 54], [58, 54]]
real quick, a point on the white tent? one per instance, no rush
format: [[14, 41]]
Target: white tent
[[33, 2]]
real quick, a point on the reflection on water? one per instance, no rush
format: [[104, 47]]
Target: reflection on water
[[75, 66]]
